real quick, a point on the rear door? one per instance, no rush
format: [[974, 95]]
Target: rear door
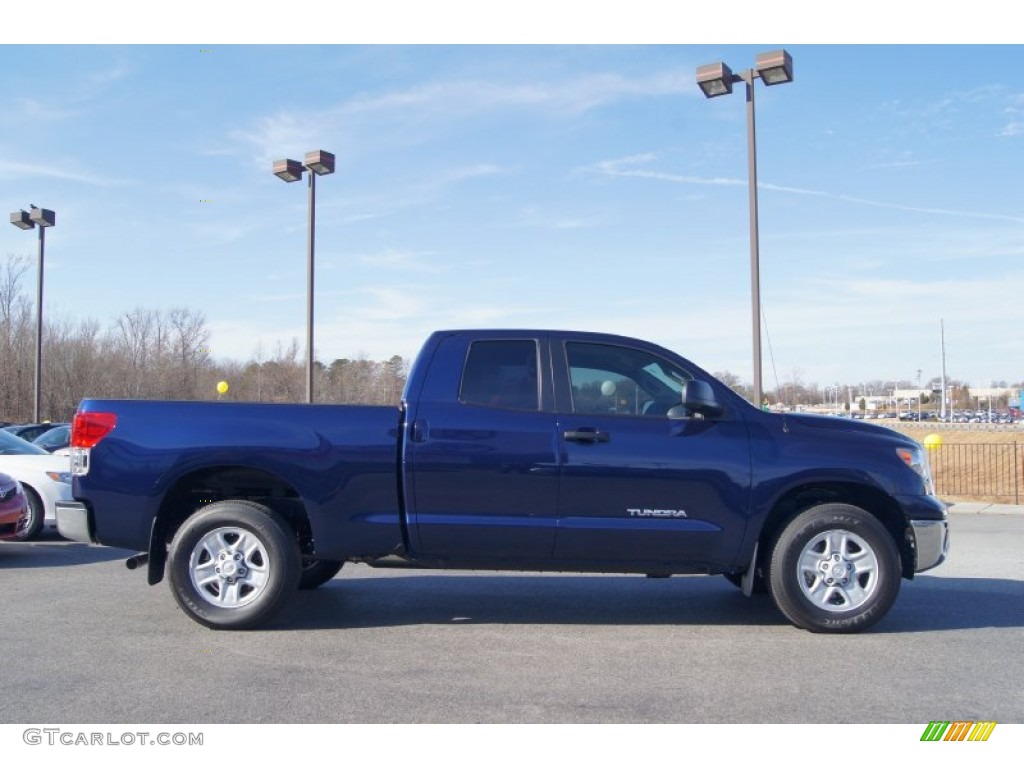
[[637, 486], [481, 453]]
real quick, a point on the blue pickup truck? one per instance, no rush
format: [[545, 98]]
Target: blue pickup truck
[[511, 449]]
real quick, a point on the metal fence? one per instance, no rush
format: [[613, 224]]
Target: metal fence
[[978, 471]]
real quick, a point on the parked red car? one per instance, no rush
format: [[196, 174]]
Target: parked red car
[[13, 507]]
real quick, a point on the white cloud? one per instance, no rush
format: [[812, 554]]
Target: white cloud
[[282, 135], [35, 110], [58, 169], [405, 261], [456, 175], [533, 217], [271, 135], [571, 96], [625, 167]]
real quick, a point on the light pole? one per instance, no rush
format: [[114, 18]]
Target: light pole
[[717, 80], [42, 218], [318, 163]]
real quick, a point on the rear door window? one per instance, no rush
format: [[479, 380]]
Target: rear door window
[[501, 374]]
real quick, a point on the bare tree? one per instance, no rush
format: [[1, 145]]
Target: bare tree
[[188, 344], [732, 381], [148, 353], [132, 340], [76, 367], [17, 337]]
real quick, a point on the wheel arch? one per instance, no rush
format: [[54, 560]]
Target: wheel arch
[[871, 500], [201, 487], [30, 488]]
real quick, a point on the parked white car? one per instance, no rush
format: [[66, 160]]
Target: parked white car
[[46, 479]]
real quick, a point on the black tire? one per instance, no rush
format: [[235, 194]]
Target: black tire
[[31, 523], [234, 565], [834, 568], [317, 572]]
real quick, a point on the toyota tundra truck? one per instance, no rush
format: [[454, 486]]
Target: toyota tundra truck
[[511, 450]]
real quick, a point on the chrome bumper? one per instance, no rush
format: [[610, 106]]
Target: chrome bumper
[[931, 543], [73, 521]]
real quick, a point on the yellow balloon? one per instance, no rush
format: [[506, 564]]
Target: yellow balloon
[[222, 387], [933, 441]]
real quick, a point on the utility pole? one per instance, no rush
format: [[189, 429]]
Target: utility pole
[[942, 337], [919, 395]]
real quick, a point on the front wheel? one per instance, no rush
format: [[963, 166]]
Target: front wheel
[[30, 523], [834, 568], [233, 565]]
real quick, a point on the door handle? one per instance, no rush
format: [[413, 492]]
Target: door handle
[[586, 435]]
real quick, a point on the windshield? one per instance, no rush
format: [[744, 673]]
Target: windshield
[[58, 437], [15, 446]]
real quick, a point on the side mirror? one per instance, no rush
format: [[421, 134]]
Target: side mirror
[[699, 397]]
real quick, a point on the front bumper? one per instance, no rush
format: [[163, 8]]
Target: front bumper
[[931, 543], [73, 521], [927, 530], [12, 510]]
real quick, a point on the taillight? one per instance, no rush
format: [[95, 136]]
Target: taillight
[[89, 428]]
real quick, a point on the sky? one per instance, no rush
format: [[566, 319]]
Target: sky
[[584, 185]]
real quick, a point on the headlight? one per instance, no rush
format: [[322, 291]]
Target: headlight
[[917, 460], [60, 477]]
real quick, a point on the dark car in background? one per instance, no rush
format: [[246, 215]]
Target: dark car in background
[[13, 507], [55, 439], [29, 432]]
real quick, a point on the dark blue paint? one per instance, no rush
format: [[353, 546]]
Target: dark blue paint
[[446, 482]]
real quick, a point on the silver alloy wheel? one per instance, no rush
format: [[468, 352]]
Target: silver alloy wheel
[[837, 571], [229, 567]]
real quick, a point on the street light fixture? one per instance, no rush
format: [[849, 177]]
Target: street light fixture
[[41, 218], [773, 68], [318, 163]]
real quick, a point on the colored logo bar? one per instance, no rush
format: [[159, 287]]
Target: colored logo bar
[[958, 730]]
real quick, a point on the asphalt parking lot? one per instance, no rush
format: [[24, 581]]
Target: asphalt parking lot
[[90, 642]]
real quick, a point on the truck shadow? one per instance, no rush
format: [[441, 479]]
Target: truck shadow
[[933, 603], [487, 598], [50, 550], [928, 604]]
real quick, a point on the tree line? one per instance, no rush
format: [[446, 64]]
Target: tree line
[[158, 354], [164, 354], [794, 393]]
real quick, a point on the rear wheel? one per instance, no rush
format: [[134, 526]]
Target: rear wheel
[[233, 565], [834, 568]]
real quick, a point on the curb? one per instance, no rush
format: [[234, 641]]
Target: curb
[[981, 507]]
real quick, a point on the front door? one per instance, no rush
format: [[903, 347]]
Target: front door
[[637, 486]]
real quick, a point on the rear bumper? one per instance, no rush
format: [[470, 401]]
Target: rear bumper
[[73, 521]]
